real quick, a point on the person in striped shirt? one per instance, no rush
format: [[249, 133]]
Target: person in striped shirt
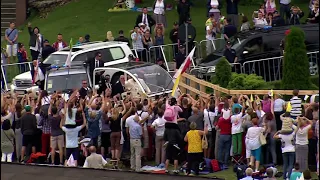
[[295, 102]]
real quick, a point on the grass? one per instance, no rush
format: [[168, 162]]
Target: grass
[[82, 17]]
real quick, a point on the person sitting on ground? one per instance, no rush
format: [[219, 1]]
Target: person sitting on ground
[[295, 172], [120, 4], [307, 174], [249, 173], [95, 160], [271, 172]]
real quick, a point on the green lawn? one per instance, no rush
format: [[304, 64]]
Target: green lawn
[[92, 17]]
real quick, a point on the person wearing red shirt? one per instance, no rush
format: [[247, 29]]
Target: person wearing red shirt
[[22, 58], [59, 44], [224, 143]]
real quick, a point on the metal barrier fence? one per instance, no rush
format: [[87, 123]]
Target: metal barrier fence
[[142, 54], [9, 71], [313, 62], [271, 68], [207, 47]]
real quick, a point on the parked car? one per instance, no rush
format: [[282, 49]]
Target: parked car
[[112, 53], [268, 42]]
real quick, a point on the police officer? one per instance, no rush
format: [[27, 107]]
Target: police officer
[[230, 54], [180, 57]]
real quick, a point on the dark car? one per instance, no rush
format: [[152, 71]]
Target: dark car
[[257, 45]]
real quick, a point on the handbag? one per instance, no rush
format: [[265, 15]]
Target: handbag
[[204, 142], [263, 140]]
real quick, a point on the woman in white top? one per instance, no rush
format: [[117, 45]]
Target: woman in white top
[[302, 149], [253, 142], [159, 125], [209, 117], [278, 109], [159, 8], [287, 147]]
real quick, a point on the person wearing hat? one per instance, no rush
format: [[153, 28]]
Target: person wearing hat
[[121, 38], [47, 49], [180, 57], [183, 9], [28, 126], [230, 54], [286, 135], [143, 28]]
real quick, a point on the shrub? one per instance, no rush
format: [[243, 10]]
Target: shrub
[[249, 82], [296, 74], [222, 73]]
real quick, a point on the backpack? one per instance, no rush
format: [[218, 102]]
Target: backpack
[[215, 165], [169, 114], [240, 171]]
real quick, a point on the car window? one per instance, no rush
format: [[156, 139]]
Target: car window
[[116, 53], [81, 57], [254, 46]]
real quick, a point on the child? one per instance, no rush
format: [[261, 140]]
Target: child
[[22, 58], [7, 137], [295, 172], [236, 131]]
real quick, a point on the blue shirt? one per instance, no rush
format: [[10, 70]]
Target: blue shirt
[[93, 123], [135, 131], [11, 35]]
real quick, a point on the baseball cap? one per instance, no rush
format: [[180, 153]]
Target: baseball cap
[[181, 46], [275, 12], [121, 32], [189, 19], [175, 23], [27, 108], [228, 43], [46, 41]]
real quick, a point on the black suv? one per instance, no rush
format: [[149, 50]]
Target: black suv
[[269, 47]]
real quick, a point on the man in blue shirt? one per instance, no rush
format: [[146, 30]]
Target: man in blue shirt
[[11, 36], [136, 133]]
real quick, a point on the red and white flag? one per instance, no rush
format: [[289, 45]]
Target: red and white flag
[[183, 68]]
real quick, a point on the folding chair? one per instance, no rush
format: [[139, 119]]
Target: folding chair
[[238, 160]]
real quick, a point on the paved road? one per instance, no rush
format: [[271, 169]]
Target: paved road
[[29, 172]]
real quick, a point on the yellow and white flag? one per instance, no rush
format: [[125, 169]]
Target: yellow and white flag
[[68, 61]]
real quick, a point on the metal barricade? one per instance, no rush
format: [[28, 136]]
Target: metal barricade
[[142, 54], [270, 69], [313, 62], [9, 71], [207, 47], [166, 51]]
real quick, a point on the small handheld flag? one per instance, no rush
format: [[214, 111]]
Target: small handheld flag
[[68, 60], [289, 107], [251, 98], [306, 97]]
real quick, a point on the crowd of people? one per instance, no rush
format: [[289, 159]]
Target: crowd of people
[[92, 126], [185, 131]]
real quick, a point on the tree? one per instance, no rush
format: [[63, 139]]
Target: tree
[[296, 74], [222, 73]]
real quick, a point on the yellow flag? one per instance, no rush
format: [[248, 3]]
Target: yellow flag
[[289, 107], [251, 98], [271, 93]]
